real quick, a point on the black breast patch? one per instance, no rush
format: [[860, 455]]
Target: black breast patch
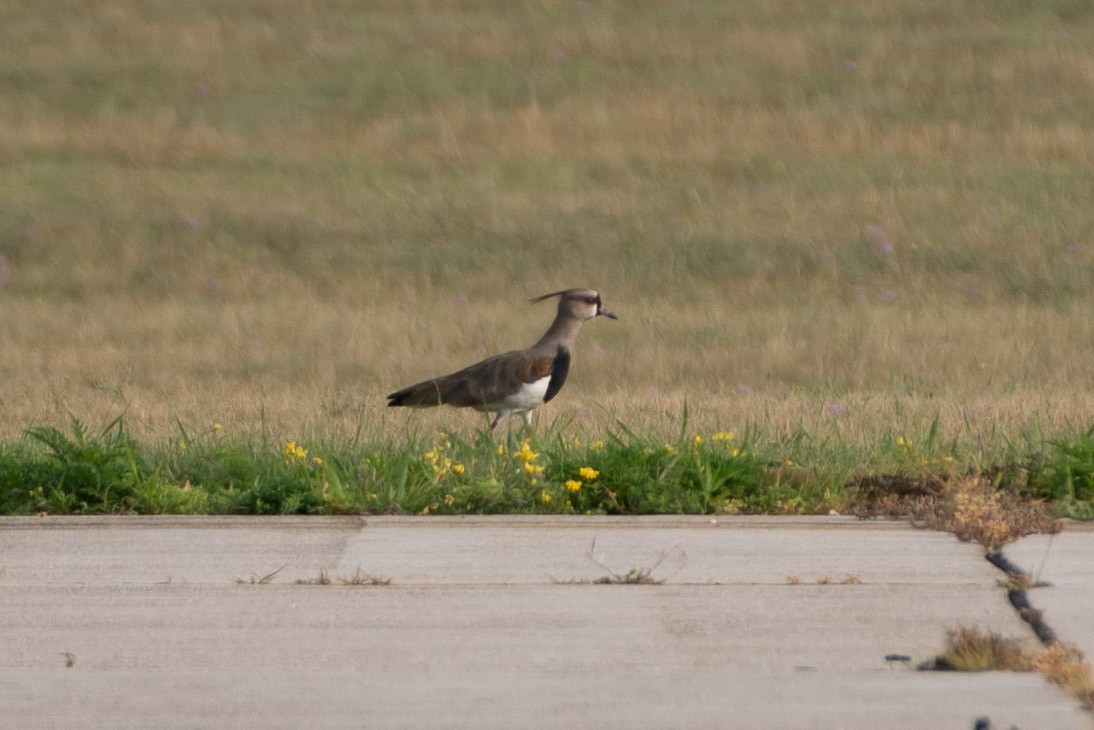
[[560, 368]]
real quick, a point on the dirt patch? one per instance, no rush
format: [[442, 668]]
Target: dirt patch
[[971, 506]]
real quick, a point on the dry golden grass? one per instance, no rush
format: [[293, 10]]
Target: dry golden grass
[[279, 213], [1065, 666], [305, 362], [972, 650]]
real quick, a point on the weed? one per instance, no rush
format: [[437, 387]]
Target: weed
[[1065, 666], [323, 579], [359, 578], [1020, 582], [824, 580], [634, 576], [973, 650], [87, 472], [972, 507], [260, 580], [1065, 476]]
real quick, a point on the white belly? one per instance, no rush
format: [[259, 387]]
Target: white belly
[[529, 396]]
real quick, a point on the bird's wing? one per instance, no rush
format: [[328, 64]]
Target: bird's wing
[[484, 383]]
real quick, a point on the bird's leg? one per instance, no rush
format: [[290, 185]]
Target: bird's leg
[[497, 419]]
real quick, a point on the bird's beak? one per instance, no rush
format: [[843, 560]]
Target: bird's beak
[[609, 314]]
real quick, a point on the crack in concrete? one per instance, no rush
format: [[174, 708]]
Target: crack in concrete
[[1062, 664], [1019, 598]]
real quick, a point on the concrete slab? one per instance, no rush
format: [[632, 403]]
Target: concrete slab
[[486, 623], [1064, 561]]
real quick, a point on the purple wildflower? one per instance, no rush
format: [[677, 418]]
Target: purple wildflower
[[880, 238]]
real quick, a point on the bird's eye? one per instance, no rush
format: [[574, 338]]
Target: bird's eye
[[590, 300]]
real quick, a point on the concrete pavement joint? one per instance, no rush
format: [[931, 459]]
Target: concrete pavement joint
[[1018, 597], [1060, 663], [473, 631]]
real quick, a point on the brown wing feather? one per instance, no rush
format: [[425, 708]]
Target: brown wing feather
[[483, 383]]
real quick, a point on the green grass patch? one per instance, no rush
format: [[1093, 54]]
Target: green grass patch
[[81, 471], [1065, 476]]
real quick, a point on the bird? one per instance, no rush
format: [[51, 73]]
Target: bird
[[518, 381]]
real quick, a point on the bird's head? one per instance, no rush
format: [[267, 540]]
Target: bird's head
[[581, 304]]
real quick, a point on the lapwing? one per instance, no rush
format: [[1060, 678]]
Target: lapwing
[[517, 381]]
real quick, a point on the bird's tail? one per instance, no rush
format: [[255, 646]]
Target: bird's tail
[[419, 395]]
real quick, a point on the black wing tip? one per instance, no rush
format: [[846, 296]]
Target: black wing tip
[[424, 394], [397, 398]]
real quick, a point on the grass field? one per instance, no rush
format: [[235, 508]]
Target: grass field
[[826, 226]]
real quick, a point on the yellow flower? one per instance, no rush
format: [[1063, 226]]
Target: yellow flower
[[698, 440], [294, 452], [588, 473], [670, 449], [726, 436], [216, 426], [501, 450], [526, 454], [544, 497], [533, 469], [735, 453], [457, 468], [573, 485], [596, 446], [183, 446], [316, 460], [449, 500], [903, 443]]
